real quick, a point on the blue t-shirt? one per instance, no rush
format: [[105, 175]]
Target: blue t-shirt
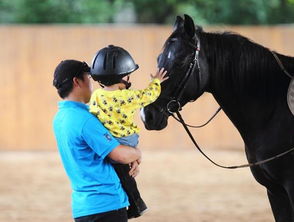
[[83, 144]]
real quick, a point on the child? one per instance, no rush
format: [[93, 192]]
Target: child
[[115, 105]]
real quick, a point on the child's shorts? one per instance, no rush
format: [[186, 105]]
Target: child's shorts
[[131, 140]]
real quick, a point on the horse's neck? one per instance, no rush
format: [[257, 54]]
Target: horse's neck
[[250, 91]]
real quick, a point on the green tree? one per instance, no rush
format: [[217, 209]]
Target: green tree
[[58, 11], [217, 12], [148, 11]]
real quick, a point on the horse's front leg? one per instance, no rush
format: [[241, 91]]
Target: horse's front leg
[[281, 189], [277, 195], [280, 204]]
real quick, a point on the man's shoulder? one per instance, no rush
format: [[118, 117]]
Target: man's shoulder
[[92, 119], [72, 116]]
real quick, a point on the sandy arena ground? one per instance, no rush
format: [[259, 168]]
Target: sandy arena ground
[[177, 186]]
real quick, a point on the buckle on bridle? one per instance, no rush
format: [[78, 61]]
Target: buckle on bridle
[[170, 107]]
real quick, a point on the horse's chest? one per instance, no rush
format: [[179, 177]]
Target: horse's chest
[[264, 176]]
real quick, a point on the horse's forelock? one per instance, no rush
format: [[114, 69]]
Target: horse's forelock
[[176, 40]]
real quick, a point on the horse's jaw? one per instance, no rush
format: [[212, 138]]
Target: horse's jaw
[[152, 119]]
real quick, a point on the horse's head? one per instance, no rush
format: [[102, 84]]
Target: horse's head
[[187, 70]]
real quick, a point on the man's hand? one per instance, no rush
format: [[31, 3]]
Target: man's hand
[[134, 171], [139, 160]]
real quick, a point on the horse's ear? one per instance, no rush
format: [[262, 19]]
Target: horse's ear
[[179, 23], [199, 28], [189, 26]]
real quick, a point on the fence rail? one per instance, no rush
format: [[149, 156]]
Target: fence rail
[[28, 101]]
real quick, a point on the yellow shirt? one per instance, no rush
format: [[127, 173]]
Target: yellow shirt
[[116, 109]]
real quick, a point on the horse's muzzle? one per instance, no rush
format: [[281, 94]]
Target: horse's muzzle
[[153, 119]]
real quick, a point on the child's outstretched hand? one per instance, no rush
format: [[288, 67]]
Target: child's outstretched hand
[[160, 74]]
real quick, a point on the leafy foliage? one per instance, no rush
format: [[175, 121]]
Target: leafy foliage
[[57, 11], [147, 11], [217, 12]]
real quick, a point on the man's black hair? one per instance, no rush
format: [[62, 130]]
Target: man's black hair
[[64, 74]]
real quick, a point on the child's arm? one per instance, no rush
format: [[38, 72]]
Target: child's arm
[[146, 96]]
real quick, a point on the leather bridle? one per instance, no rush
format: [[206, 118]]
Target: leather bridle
[[175, 99]]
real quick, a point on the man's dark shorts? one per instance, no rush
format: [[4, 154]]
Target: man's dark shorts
[[110, 216]]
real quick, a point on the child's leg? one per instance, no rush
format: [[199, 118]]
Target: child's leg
[[137, 205]]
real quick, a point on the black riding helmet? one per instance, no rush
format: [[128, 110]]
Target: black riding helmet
[[111, 64]]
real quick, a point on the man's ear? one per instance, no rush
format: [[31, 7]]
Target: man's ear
[[179, 23], [189, 26], [76, 81]]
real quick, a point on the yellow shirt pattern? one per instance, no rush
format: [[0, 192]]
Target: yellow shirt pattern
[[116, 109]]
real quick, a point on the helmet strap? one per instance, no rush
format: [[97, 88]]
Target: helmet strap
[[102, 86], [126, 83]]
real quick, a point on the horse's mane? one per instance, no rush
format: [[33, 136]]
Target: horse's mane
[[238, 63], [252, 66]]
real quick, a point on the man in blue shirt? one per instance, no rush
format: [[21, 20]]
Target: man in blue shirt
[[85, 147]]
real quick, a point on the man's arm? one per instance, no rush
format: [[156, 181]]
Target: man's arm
[[125, 154]]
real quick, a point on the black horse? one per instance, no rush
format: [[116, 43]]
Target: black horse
[[251, 88]]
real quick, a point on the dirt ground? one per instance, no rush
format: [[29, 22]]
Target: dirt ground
[[177, 186]]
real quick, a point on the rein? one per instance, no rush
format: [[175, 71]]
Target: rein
[[199, 126], [227, 167], [176, 100], [281, 65]]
